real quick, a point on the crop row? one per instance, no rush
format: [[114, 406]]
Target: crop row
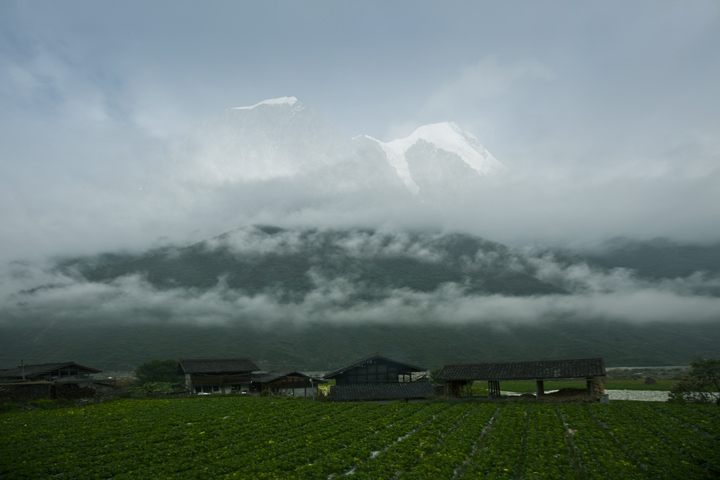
[[677, 436], [405, 453], [501, 452], [456, 448], [599, 454], [654, 453], [702, 418], [547, 452]]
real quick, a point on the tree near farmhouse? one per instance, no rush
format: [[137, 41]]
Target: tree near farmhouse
[[701, 385], [158, 371]]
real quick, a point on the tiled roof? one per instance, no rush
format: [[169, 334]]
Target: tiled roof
[[45, 368], [381, 391], [218, 366], [409, 368], [582, 368]]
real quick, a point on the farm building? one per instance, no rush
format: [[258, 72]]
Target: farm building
[[459, 378], [229, 375], [295, 384], [47, 380], [375, 377]]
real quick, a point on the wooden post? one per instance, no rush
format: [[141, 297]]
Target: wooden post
[[540, 388], [493, 388], [591, 387]]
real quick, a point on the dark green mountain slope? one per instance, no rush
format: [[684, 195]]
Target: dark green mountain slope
[[327, 346], [285, 261], [658, 258]]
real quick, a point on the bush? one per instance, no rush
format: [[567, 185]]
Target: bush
[[44, 403], [153, 389], [7, 405], [158, 371], [701, 385]]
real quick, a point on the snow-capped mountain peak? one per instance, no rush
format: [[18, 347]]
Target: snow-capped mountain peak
[[281, 139], [446, 136], [273, 101], [451, 138]]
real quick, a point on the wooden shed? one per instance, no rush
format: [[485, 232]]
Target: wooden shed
[[459, 377], [220, 375], [375, 377]]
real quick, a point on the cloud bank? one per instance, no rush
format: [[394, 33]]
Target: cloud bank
[[39, 293]]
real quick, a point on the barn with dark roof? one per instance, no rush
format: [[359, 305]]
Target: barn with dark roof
[[220, 375], [375, 377], [459, 377], [66, 371], [48, 380]]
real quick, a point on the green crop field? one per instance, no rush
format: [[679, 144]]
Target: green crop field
[[234, 437]]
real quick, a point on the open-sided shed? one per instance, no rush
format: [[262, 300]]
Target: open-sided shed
[[460, 376]]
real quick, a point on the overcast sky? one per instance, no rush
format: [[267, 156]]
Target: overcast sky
[[598, 108]]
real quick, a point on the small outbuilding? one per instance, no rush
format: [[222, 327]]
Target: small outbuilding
[[375, 377], [224, 375], [458, 378]]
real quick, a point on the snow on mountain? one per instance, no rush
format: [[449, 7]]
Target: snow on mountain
[[446, 136], [272, 101], [396, 158]]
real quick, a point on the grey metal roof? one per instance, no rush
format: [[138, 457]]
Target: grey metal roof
[[544, 369], [217, 366], [409, 368], [44, 369], [381, 391]]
